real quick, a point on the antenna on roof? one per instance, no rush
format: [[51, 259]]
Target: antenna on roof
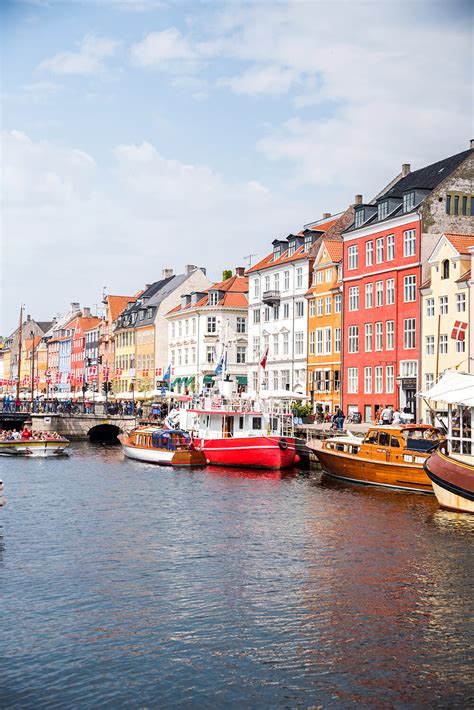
[[249, 258]]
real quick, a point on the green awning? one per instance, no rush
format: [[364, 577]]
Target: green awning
[[208, 379], [187, 380], [242, 380], [177, 381]]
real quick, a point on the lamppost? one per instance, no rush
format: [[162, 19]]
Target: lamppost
[[133, 379], [32, 336]]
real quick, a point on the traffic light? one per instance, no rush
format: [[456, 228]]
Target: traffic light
[[105, 388]]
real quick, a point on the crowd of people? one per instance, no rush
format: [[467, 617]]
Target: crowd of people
[[28, 435]]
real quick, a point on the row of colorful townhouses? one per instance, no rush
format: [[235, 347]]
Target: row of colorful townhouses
[[358, 310]]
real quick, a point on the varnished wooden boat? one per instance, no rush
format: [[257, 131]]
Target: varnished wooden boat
[[168, 447], [452, 476], [391, 456], [34, 447]]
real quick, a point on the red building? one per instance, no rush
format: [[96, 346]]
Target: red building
[[383, 255], [78, 366]]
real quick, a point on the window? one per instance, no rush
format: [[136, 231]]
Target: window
[[378, 379], [369, 253], [256, 288], [286, 310], [337, 380], [456, 204], [390, 334], [327, 341], [276, 282], [390, 291], [379, 293], [368, 337], [337, 340], [213, 298], [443, 344], [352, 380], [353, 298], [445, 269], [460, 346], [241, 324], [353, 254], [285, 379], [276, 312], [266, 314], [409, 333], [319, 277], [409, 242], [368, 380], [382, 210], [464, 205], [429, 380], [448, 204], [312, 342], [308, 240], [286, 280], [337, 303], [379, 250], [241, 354], [209, 354], [328, 275], [256, 347], [311, 307], [443, 305], [276, 252], [408, 201], [389, 379], [299, 277], [430, 307], [275, 344], [379, 336], [460, 302], [211, 324], [256, 315], [359, 218], [328, 303], [255, 381], [291, 247], [353, 338], [286, 343], [319, 304], [299, 309], [267, 283], [390, 247], [409, 288], [369, 295], [429, 345], [319, 341]]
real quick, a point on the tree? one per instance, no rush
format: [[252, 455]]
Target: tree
[[226, 274]]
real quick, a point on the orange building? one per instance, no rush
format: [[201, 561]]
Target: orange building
[[324, 326]]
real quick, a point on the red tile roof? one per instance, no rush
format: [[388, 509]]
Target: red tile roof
[[461, 242], [334, 249], [235, 295], [426, 284], [465, 277], [117, 304]]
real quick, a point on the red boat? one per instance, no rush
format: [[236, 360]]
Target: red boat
[[241, 439], [452, 477]]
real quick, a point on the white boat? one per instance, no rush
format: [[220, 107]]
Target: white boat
[[167, 447], [2, 493], [40, 448]]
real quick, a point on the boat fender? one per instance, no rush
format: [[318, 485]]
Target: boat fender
[[283, 444]]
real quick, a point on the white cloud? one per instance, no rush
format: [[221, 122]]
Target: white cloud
[[271, 80], [88, 59], [165, 51]]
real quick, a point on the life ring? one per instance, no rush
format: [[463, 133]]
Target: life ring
[[283, 444]]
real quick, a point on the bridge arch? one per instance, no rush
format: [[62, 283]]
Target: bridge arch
[[104, 433]]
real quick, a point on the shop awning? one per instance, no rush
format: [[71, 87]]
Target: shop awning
[[177, 381], [242, 380], [452, 388], [187, 380], [208, 379]]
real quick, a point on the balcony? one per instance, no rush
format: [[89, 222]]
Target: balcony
[[271, 298]]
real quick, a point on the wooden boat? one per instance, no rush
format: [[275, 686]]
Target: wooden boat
[[391, 456], [167, 447], [34, 447], [452, 477]]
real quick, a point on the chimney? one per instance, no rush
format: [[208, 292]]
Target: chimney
[[28, 318], [74, 306], [86, 312], [406, 169], [203, 269], [240, 271], [358, 200], [471, 144], [185, 299], [166, 273], [189, 268], [326, 215]]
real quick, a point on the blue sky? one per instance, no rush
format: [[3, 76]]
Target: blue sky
[[143, 134]]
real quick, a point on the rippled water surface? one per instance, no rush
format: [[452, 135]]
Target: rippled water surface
[[129, 584]]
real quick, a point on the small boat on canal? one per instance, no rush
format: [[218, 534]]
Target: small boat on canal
[[392, 456], [41, 448], [2, 493], [167, 447], [451, 467]]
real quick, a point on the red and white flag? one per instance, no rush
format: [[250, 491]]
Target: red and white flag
[[158, 371], [145, 373], [459, 330], [58, 377], [263, 361]]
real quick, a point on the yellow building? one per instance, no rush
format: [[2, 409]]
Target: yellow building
[[445, 311], [324, 327], [125, 371], [145, 358]]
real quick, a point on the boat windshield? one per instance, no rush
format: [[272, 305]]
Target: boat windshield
[[422, 439], [170, 440]]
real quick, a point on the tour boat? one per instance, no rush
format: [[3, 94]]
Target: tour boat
[[451, 467], [34, 447], [229, 436], [2, 496], [390, 456], [168, 447]]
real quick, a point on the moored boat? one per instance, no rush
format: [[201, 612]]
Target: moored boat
[[2, 493], [34, 447], [168, 447], [390, 456]]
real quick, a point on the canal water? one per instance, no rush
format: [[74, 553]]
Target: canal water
[[125, 584]]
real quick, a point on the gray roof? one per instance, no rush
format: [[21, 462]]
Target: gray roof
[[152, 298]]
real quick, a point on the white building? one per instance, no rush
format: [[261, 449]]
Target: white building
[[204, 326], [278, 317]]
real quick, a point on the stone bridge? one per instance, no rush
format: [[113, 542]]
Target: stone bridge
[[95, 427]]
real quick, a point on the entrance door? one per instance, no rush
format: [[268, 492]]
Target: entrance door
[[228, 427], [411, 401], [367, 414]]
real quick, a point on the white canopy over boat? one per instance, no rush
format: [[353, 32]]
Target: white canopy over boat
[[452, 388]]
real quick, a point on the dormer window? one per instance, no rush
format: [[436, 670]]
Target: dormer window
[[308, 240], [276, 252], [213, 298], [149, 312], [409, 201], [359, 218], [382, 210], [142, 315], [445, 269], [291, 247]]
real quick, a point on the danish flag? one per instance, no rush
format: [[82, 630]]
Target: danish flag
[[118, 371], [459, 330], [145, 373], [158, 371], [263, 361], [58, 377]]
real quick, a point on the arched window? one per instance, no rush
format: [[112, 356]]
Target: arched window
[[445, 269]]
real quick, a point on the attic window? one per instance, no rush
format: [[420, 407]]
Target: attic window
[[408, 201], [382, 209], [308, 240], [359, 218], [276, 252], [149, 312], [291, 247], [213, 298]]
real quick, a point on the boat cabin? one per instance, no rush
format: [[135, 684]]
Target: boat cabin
[[205, 424], [164, 439]]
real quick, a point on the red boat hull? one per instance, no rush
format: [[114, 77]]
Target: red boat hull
[[268, 452]]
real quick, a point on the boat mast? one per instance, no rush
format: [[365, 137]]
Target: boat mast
[[20, 334]]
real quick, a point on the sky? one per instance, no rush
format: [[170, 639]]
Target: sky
[[144, 134]]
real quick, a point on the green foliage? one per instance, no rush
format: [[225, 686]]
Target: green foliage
[[301, 410], [226, 274]]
